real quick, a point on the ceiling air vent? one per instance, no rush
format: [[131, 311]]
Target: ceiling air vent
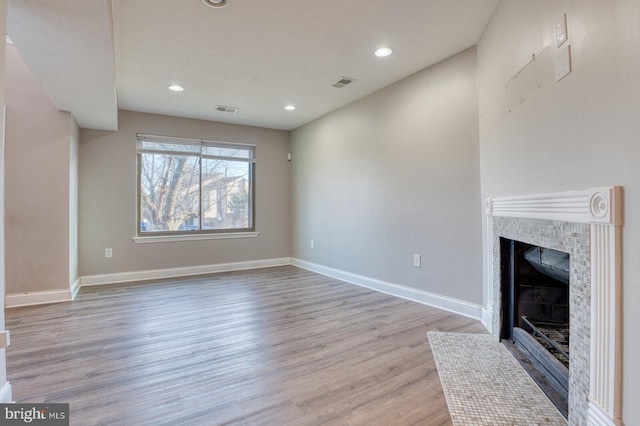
[[343, 82], [227, 109]]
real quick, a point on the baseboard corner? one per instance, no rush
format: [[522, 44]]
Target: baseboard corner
[[456, 306], [487, 318], [75, 288]]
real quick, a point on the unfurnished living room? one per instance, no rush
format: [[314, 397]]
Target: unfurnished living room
[[291, 212]]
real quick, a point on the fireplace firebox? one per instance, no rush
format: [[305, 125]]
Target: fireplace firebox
[[535, 312]]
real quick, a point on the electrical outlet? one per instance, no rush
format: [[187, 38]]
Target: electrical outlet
[[417, 260], [108, 252], [312, 244]]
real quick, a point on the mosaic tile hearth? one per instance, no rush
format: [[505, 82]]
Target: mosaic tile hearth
[[485, 385]]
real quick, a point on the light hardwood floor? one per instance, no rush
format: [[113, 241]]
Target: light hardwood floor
[[271, 346]]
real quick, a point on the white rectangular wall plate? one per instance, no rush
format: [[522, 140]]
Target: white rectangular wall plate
[[562, 62]]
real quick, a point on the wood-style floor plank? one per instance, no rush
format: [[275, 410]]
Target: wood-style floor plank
[[271, 346]]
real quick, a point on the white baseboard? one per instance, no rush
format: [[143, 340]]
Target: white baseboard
[[37, 298], [457, 306], [75, 288], [5, 394], [186, 271], [442, 302]]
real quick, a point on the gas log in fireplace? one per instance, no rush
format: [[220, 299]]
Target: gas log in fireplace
[[535, 312]]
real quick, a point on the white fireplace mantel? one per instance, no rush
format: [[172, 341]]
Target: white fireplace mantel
[[601, 208]]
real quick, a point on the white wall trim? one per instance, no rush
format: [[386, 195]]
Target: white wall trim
[[598, 417], [442, 302], [601, 208], [155, 274], [75, 288], [457, 306], [606, 341], [5, 394], [487, 318], [571, 206], [487, 309], [37, 298], [193, 237]]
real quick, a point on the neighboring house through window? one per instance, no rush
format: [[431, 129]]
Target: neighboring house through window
[[194, 186]]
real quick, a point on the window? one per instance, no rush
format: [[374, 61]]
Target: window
[[194, 186]]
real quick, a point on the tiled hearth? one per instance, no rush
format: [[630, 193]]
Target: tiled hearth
[[587, 225]]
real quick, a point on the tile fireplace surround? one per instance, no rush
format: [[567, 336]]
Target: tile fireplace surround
[[586, 224]]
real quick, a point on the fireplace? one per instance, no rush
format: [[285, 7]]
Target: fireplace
[[534, 284], [586, 225]]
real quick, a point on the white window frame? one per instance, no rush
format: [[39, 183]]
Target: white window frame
[[182, 235]]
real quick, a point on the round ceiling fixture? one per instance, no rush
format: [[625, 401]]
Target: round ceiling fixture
[[176, 88], [215, 3], [383, 51], [290, 107]]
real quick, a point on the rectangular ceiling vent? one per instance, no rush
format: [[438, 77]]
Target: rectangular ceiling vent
[[343, 82], [227, 109]]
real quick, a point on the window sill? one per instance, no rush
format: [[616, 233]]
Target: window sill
[[196, 237]]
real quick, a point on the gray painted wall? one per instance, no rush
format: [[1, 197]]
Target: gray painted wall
[[392, 175], [37, 173], [107, 198], [399, 172], [578, 133]]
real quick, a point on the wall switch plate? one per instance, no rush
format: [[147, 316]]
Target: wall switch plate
[[288, 156], [312, 244], [561, 30], [562, 62], [108, 252], [417, 260]]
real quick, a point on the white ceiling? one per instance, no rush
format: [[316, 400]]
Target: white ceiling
[[68, 44], [256, 55]]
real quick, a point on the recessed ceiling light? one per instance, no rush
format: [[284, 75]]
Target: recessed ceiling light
[[215, 3], [290, 107], [176, 88], [383, 51]]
